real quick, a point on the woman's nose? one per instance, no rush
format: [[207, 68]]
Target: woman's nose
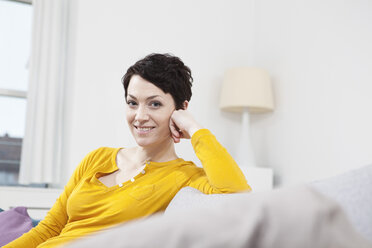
[[141, 114]]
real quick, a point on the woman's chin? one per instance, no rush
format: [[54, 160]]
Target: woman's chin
[[148, 142], [145, 142]]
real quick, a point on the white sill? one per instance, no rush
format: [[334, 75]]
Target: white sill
[[38, 201]]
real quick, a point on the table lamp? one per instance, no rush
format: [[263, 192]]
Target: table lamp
[[246, 90]]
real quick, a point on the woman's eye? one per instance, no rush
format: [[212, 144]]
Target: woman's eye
[[155, 104], [131, 103]]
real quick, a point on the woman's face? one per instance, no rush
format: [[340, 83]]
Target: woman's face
[[148, 112]]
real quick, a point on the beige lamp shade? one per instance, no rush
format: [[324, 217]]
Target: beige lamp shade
[[247, 87]]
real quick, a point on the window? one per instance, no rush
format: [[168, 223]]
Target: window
[[15, 42]]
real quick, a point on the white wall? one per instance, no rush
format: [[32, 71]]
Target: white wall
[[208, 35], [320, 56], [317, 52]]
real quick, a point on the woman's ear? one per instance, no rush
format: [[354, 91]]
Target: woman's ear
[[185, 105]]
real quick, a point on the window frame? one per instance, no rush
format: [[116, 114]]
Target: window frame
[[6, 92], [37, 127]]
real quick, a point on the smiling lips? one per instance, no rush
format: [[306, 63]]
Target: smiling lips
[[143, 130]]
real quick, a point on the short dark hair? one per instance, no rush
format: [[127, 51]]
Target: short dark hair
[[165, 71]]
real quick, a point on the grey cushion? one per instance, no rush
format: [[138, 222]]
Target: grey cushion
[[353, 191]]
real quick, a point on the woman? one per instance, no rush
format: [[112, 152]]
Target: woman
[[114, 185]]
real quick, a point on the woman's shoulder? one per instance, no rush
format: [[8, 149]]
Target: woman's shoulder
[[103, 151], [100, 156]]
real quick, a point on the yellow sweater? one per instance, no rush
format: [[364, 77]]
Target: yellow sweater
[[87, 205]]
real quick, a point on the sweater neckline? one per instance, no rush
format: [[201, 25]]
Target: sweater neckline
[[149, 163]]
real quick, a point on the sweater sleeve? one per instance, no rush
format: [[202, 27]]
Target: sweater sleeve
[[220, 173], [57, 217]]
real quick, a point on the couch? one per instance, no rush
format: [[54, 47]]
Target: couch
[[334, 212]]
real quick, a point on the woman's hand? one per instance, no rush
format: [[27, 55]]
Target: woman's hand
[[182, 125]]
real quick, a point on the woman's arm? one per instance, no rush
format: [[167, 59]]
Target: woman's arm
[[221, 174], [57, 217]]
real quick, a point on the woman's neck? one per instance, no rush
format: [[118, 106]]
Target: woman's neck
[[158, 152]]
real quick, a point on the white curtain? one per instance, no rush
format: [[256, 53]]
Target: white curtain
[[42, 143]]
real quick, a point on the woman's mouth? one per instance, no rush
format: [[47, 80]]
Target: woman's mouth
[[144, 130]]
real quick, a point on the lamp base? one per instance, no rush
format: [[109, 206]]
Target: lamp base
[[245, 157]]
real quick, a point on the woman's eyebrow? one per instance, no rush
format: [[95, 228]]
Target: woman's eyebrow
[[150, 97]]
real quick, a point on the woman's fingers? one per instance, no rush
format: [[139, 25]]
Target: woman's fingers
[[180, 124], [173, 129]]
